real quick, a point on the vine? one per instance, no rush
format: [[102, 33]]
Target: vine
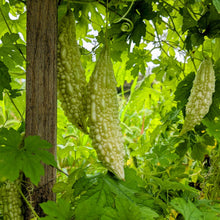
[[166, 175]]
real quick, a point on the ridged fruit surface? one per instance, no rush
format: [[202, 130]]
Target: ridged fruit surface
[[71, 79], [104, 123], [200, 98], [10, 201]]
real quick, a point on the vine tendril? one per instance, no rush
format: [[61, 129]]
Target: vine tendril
[[128, 25]]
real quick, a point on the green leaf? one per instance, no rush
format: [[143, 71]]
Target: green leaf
[[19, 26], [31, 166], [21, 128], [16, 25], [207, 140], [121, 73], [9, 161], [209, 208], [9, 38], [96, 17], [147, 213], [137, 60], [14, 157], [144, 94], [161, 155], [183, 89], [175, 186], [213, 127], [34, 142], [146, 10], [81, 14], [10, 138], [36, 145], [187, 209], [108, 198], [60, 210], [4, 16], [216, 3], [181, 149], [94, 207], [138, 32], [198, 151], [194, 38], [60, 187], [11, 52], [5, 79], [210, 21], [150, 34], [118, 46], [127, 210], [188, 20], [10, 168], [15, 93], [109, 214]]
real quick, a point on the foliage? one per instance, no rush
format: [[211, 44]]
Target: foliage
[[106, 198], [157, 45], [25, 155], [60, 210], [195, 211]]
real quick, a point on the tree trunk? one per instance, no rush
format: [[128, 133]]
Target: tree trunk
[[41, 99]]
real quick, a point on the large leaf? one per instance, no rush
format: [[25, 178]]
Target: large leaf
[[16, 25], [56, 211], [138, 59], [187, 209], [198, 151], [4, 18], [188, 20], [138, 32], [183, 89], [14, 157], [11, 52], [213, 128], [108, 198]]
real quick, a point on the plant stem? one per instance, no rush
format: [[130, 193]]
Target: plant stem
[[12, 101], [29, 205]]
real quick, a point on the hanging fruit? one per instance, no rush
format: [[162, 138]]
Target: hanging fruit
[[104, 123], [71, 75], [200, 98]]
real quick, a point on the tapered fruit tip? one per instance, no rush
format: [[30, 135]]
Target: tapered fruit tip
[[120, 174]]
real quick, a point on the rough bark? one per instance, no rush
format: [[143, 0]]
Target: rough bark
[[41, 99]]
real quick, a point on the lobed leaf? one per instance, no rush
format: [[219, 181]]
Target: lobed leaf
[[16, 156]]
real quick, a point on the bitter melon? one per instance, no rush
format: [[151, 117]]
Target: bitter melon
[[71, 75], [200, 98], [10, 201], [104, 123]]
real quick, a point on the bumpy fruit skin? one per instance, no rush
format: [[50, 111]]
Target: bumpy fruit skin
[[104, 123], [200, 98], [71, 79], [10, 201]]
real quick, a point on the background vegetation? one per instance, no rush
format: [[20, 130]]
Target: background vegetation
[[157, 45]]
